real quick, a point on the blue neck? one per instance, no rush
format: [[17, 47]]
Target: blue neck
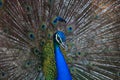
[[63, 72]]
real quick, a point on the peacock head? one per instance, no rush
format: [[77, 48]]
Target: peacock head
[[59, 38]]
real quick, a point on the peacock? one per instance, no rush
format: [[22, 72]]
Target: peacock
[[59, 39]]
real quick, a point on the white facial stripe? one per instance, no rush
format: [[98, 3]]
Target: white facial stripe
[[60, 38], [57, 38]]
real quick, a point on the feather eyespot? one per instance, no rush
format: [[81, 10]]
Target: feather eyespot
[[31, 36], [1, 3], [43, 27], [69, 29], [3, 74]]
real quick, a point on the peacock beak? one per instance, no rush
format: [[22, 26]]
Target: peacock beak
[[63, 44]]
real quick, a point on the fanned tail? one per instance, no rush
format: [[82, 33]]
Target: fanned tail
[[92, 31]]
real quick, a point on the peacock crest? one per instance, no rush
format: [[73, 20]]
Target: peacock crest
[[91, 27]]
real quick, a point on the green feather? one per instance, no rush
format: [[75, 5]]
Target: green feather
[[49, 68]]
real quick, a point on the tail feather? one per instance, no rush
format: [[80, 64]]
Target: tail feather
[[92, 30]]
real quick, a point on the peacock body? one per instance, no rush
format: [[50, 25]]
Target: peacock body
[[27, 39]]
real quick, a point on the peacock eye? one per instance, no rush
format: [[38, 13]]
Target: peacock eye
[[58, 39]]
